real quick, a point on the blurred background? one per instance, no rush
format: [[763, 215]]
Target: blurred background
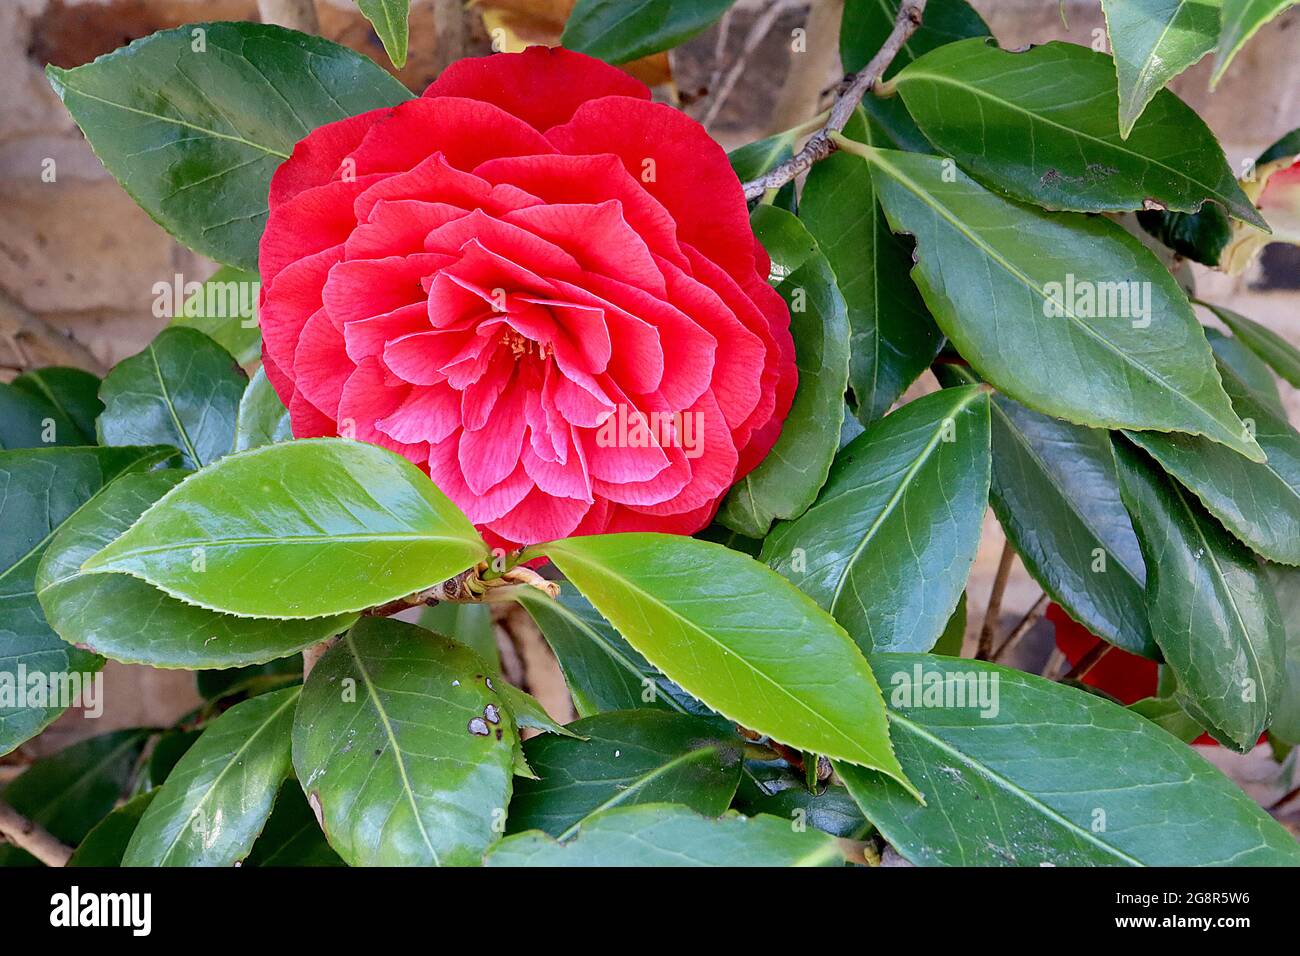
[[79, 260]]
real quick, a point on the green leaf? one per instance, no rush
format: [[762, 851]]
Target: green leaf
[[404, 748], [468, 624], [1167, 714], [629, 757], [169, 748], [894, 338], [786, 482], [193, 121], [105, 845], [1093, 784], [390, 21], [981, 105], [1240, 21], [737, 636], [1153, 41], [1286, 715], [954, 632], [889, 544], [292, 837], [1056, 494], [1281, 355], [39, 490], [1250, 370], [832, 811], [1212, 610], [217, 799], [262, 418], [528, 711], [128, 620], [182, 390], [868, 23], [1010, 285], [1257, 502], [621, 30], [299, 530], [224, 309], [254, 679], [67, 395], [603, 672], [71, 791], [669, 835]]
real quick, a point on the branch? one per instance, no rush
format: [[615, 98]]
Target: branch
[[32, 837], [989, 629], [821, 145]]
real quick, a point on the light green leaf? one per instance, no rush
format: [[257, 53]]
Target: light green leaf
[[1093, 784], [128, 620], [669, 835], [390, 21], [182, 390], [1153, 41], [786, 482], [1010, 286], [528, 711], [1212, 611], [1241, 20], [468, 624], [39, 490], [737, 636], [889, 543], [262, 418], [225, 310], [193, 121], [627, 758], [403, 748], [981, 105], [217, 799], [620, 30], [299, 530], [1281, 355], [894, 338]]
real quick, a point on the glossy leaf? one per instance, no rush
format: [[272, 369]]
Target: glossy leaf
[[786, 482], [217, 799], [1212, 610], [468, 624], [389, 18], [629, 757], [1094, 784], [669, 835], [403, 748], [105, 845], [292, 837], [832, 811], [1257, 502], [69, 792], [193, 121], [734, 634], [1249, 369], [129, 620], [167, 751], [621, 30], [49, 406], [299, 530], [889, 543], [894, 338], [1281, 355], [528, 711], [1010, 286], [1286, 715], [1056, 495], [225, 310], [981, 105], [262, 418], [868, 23], [1153, 41], [182, 390], [603, 672], [1239, 21], [39, 490]]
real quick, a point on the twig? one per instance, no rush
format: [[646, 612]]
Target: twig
[[32, 837], [988, 630], [311, 655], [1022, 628], [450, 34], [1088, 661], [297, 15], [753, 40], [821, 145]]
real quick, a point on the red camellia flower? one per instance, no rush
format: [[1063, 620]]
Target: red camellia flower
[[538, 286]]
